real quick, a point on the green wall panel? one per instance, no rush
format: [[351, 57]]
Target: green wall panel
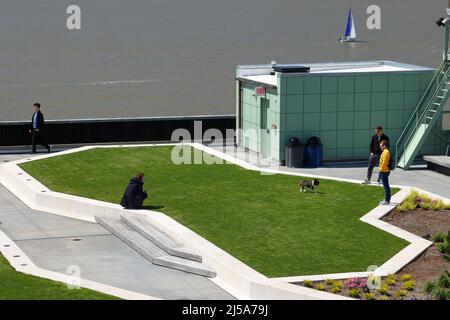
[[361, 120], [346, 84], [362, 101], [379, 83], [311, 121], [311, 103], [377, 118], [294, 122], [344, 139], [329, 139], [328, 103], [328, 121], [329, 84], [312, 85], [396, 100], [412, 82], [294, 85], [346, 101], [294, 103], [395, 119], [345, 120], [363, 83], [396, 82], [379, 101]]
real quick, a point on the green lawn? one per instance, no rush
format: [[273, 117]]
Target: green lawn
[[263, 220], [19, 286]]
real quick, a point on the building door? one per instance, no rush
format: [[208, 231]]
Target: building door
[[264, 129]]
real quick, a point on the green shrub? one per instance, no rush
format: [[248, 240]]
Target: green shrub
[[443, 247], [437, 205], [400, 293], [329, 282], [308, 283], [405, 277], [429, 286], [369, 296], [447, 206], [354, 293], [424, 205], [408, 285], [412, 196], [402, 208], [320, 287], [338, 284], [391, 279], [439, 293], [383, 297], [384, 289], [336, 289], [444, 280], [409, 205], [439, 237]]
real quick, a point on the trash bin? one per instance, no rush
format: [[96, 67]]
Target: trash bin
[[313, 153], [294, 153]]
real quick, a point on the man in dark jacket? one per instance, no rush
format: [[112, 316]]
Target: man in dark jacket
[[134, 194], [36, 130], [375, 152]]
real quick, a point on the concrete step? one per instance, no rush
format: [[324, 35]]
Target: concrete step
[[185, 265], [130, 237], [151, 251], [160, 238]]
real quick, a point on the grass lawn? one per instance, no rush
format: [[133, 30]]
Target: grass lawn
[[263, 220], [19, 286]]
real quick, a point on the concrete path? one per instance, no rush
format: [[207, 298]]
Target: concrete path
[[418, 177], [53, 242]]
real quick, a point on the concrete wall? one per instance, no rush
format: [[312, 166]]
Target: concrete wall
[[341, 109]]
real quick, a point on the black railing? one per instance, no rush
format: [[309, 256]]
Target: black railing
[[84, 131]]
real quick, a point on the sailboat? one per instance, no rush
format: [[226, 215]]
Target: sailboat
[[350, 32]]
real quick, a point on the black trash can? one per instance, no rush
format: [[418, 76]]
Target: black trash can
[[313, 153], [294, 153]]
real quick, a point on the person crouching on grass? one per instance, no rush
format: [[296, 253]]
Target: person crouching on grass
[[134, 194], [385, 159]]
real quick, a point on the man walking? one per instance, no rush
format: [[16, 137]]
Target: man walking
[[385, 170], [37, 126], [375, 152]]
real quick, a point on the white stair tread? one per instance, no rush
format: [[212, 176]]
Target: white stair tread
[[151, 251], [160, 238], [130, 237], [185, 265]]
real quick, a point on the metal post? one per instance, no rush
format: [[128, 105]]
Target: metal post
[[446, 42]]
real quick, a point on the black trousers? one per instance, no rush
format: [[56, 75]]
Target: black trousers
[[38, 138], [373, 162]]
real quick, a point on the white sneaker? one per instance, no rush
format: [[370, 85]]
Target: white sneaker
[[384, 203], [366, 181]]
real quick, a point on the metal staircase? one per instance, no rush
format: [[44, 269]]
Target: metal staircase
[[424, 117]]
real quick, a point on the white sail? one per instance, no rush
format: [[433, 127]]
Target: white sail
[[353, 30]]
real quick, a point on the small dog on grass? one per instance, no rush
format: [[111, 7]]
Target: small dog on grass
[[310, 184]]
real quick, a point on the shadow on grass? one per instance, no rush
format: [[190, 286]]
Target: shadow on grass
[[151, 207]]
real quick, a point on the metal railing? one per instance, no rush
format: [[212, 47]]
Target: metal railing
[[419, 113]]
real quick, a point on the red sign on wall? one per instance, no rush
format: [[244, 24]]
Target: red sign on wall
[[260, 91]]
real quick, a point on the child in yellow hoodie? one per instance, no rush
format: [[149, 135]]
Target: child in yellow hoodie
[[385, 171]]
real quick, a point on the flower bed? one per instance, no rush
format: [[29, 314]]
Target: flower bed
[[427, 277]]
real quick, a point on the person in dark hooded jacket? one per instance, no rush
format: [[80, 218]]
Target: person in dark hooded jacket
[[134, 194]]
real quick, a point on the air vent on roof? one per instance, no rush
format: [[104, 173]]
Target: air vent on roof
[[291, 69]]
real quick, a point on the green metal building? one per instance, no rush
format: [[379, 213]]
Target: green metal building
[[340, 103]]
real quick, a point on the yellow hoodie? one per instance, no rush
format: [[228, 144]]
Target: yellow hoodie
[[384, 161]]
